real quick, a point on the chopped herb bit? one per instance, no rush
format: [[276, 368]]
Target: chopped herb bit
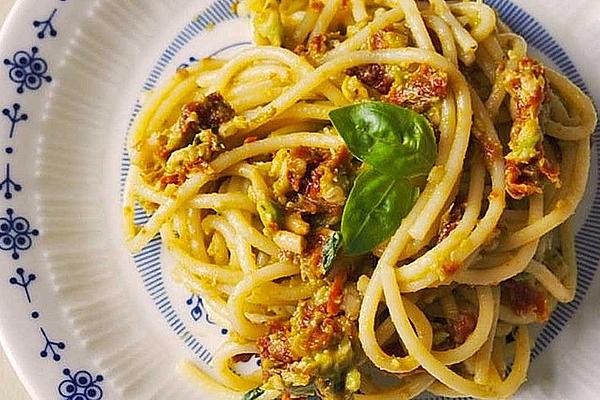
[[254, 394], [330, 250]]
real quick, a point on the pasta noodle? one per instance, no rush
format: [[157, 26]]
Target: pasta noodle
[[377, 189]]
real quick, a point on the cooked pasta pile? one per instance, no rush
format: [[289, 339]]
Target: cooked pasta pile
[[378, 191]]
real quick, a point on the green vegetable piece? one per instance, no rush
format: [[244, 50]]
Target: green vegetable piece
[[440, 337], [524, 145], [309, 390], [267, 24], [374, 210], [269, 214], [392, 139], [330, 250], [254, 394]]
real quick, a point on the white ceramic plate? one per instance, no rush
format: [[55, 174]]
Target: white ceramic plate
[[81, 320]]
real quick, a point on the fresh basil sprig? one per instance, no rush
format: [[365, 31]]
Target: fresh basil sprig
[[374, 210], [397, 144], [394, 140]]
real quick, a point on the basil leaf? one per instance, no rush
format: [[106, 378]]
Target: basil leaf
[[374, 209], [392, 139], [330, 250], [254, 394]]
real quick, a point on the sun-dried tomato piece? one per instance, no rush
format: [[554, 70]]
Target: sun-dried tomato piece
[[211, 112], [421, 89], [526, 163], [461, 327], [524, 298], [373, 76]]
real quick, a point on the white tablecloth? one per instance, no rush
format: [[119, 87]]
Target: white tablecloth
[[10, 386]]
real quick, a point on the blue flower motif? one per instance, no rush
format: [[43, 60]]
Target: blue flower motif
[[51, 346], [46, 26], [198, 309], [15, 116], [15, 234], [23, 281], [9, 184], [80, 386], [27, 70]]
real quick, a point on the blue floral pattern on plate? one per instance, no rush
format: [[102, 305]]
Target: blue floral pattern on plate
[[8, 185], [80, 386], [16, 234], [14, 115], [51, 347], [27, 70], [45, 26], [23, 281]]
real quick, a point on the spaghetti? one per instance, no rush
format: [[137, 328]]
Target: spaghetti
[[378, 191]]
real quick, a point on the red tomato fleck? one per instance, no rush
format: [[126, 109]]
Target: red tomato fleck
[[524, 298], [336, 294], [461, 327]]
